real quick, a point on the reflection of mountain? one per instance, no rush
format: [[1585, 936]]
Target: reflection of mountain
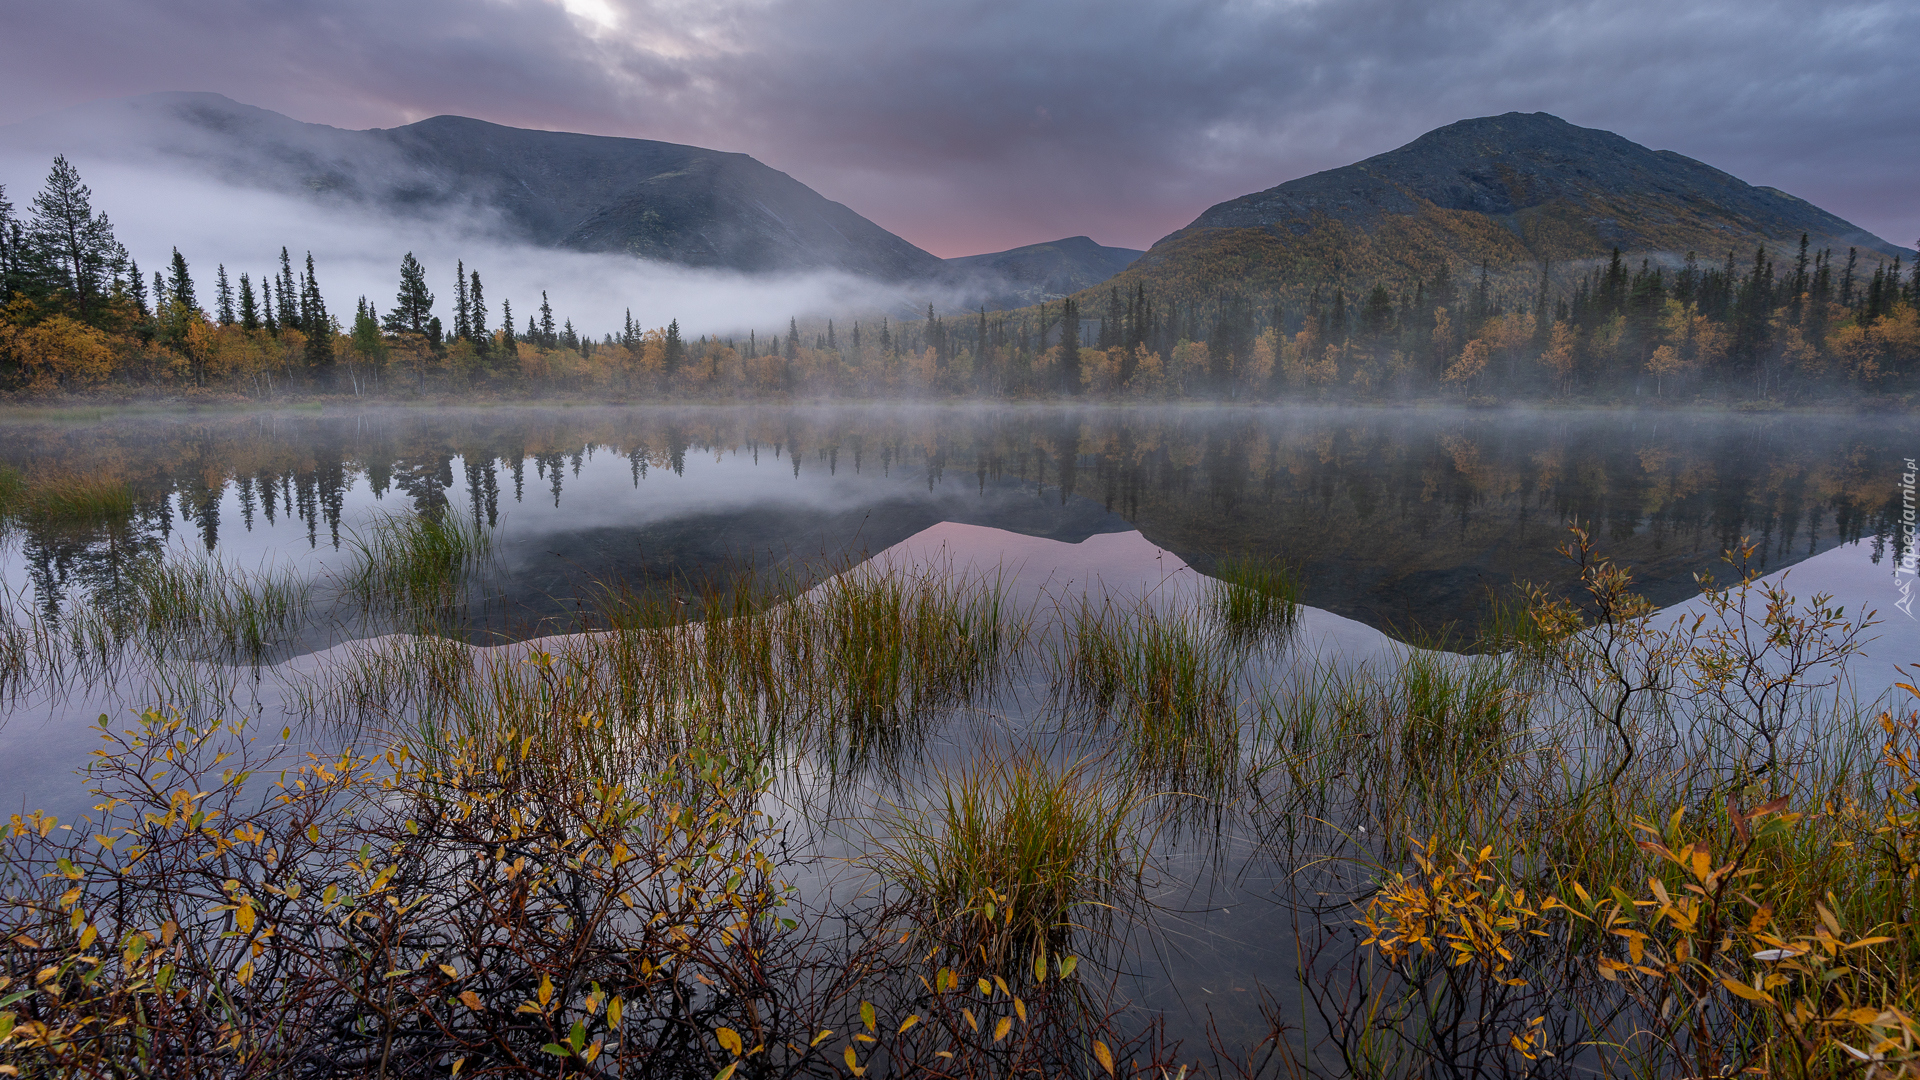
[[684, 551], [1401, 518], [657, 200]]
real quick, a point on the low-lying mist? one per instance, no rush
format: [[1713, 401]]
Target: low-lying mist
[[156, 206]]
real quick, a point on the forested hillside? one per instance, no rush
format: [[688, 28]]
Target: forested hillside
[[79, 316]]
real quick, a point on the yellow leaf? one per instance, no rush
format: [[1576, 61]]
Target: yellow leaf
[[910, 1021], [457, 1066], [971, 1022], [471, 1000], [727, 1072], [448, 970], [1103, 1055], [853, 1063], [818, 1039], [1021, 1008], [729, 1040], [1000, 1029], [866, 1015], [1748, 992]]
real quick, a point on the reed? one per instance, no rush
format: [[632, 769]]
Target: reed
[[1256, 598], [1013, 852], [1165, 678], [205, 605], [873, 652], [414, 565]]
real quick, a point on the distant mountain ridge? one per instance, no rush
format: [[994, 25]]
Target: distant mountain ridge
[[658, 200], [1038, 272], [1515, 192]]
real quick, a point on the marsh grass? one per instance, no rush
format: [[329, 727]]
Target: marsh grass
[[1255, 598], [414, 566], [1166, 679], [64, 500], [206, 605], [1013, 853], [877, 650]]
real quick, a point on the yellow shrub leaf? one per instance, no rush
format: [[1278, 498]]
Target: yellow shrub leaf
[[729, 1040], [1748, 992], [1103, 1055], [1000, 1029]]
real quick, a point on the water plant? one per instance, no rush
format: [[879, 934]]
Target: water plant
[[1011, 852], [1164, 677], [1255, 598], [414, 565]]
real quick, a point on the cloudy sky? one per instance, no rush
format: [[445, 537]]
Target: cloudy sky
[[975, 125]]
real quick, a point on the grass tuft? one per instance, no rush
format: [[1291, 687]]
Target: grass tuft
[[1010, 851], [1256, 598]]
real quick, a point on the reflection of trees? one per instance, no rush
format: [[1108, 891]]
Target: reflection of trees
[[1383, 507]]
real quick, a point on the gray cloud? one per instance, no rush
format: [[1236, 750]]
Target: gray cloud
[[969, 125]]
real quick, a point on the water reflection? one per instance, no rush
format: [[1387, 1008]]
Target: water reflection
[[1402, 520]]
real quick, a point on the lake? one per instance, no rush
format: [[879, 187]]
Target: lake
[[1405, 530]]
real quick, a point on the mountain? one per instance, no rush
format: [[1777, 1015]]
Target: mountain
[[1037, 272], [1510, 191], [656, 200]]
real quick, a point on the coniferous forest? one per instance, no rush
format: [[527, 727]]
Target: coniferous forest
[[80, 316]]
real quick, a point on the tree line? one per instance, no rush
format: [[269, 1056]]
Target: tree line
[[77, 314]]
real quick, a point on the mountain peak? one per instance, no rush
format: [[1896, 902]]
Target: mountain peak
[[1601, 189]]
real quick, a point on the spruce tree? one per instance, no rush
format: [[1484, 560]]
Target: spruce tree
[[180, 292], [267, 308], [547, 336], [793, 335], [286, 295], [462, 329], [138, 288], [676, 349], [249, 311], [413, 303], [223, 291], [477, 313], [318, 325]]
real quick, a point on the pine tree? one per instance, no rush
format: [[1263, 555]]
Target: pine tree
[[547, 336], [223, 292], [676, 349], [477, 313], [249, 311], [793, 335], [75, 247], [413, 303], [138, 289], [267, 307], [180, 292], [319, 326], [462, 328], [286, 295]]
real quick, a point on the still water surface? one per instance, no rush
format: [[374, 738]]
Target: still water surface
[[1403, 523]]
